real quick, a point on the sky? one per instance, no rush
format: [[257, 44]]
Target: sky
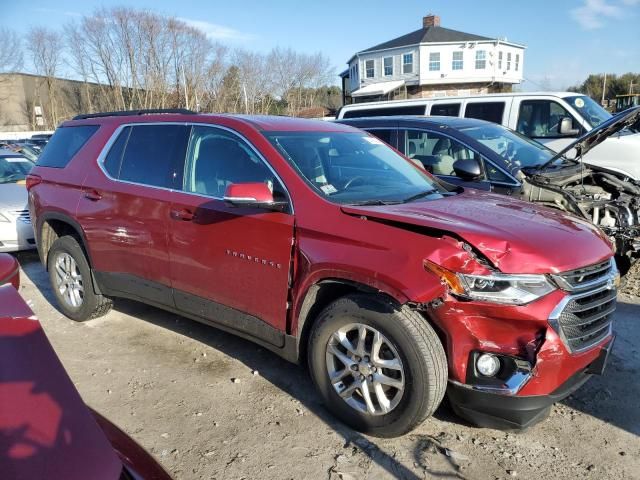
[[566, 39]]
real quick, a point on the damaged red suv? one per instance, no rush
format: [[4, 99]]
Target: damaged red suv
[[323, 244]]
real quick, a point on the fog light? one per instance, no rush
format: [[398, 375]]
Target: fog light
[[488, 365]]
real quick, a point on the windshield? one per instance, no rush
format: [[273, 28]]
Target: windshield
[[593, 113], [353, 168], [14, 169], [517, 150]]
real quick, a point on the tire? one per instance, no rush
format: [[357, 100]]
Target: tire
[[407, 336], [630, 282], [67, 256]]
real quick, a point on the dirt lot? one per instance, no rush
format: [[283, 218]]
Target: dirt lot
[[211, 406]]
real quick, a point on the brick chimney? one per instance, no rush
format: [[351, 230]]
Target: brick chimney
[[430, 21]]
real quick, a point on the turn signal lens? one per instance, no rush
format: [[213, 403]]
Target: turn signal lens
[[448, 278]]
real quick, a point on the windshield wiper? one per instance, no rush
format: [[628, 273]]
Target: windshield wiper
[[420, 195], [366, 203]]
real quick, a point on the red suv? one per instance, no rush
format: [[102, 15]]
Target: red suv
[[324, 245]]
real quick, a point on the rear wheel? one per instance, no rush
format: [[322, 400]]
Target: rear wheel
[[381, 369], [70, 278]]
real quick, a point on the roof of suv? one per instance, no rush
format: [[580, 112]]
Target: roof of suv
[[258, 122]]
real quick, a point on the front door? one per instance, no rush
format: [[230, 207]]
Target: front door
[[229, 265], [540, 121]]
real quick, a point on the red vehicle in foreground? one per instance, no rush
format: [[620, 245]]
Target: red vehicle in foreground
[[46, 431], [323, 244]]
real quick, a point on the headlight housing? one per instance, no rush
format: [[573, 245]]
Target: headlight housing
[[518, 289]]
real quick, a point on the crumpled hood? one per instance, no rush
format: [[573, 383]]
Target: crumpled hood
[[517, 237], [13, 196]]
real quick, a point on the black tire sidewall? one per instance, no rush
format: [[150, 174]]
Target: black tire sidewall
[[381, 316], [70, 246]]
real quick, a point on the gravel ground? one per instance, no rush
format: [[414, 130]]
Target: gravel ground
[[209, 405]]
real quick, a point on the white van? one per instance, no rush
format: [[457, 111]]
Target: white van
[[555, 119]]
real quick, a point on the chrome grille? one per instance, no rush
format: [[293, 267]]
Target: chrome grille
[[585, 317], [22, 215]]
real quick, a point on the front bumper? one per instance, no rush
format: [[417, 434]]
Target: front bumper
[[494, 410]]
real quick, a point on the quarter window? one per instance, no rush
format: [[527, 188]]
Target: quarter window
[[64, 144], [388, 66], [114, 158], [218, 158], [489, 111], [369, 67], [457, 61], [434, 61], [481, 60], [541, 118], [154, 155], [407, 63]]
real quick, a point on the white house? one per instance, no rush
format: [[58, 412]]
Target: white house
[[433, 61]]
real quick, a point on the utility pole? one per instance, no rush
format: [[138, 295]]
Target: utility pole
[[604, 88]]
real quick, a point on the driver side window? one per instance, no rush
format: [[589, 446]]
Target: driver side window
[[436, 152], [217, 158], [541, 119]]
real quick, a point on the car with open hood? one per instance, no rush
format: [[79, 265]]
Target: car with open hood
[[487, 156], [324, 245]]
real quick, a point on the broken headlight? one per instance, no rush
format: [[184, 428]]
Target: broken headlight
[[516, 289]]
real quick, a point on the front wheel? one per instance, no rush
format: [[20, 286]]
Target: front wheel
[[380, 368]]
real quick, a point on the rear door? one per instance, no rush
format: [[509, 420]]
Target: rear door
[[124, 209], [229, 265]]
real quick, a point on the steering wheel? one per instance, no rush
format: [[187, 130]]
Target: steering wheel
[[352, 181]]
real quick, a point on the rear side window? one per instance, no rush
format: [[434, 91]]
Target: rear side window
[[64, 144], [385, 112], [446, 109], [489, 111], [154, 155]]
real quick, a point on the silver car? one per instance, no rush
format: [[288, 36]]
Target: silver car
[[16, 232]]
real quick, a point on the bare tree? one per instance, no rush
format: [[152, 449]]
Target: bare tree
[[45, 47], [10, 51]]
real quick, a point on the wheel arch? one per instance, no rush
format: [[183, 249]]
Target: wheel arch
[[53, 225], [322, 293]]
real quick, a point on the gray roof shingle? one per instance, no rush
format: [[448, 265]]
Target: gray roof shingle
[[428, 35]]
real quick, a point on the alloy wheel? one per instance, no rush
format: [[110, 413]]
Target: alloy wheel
[[365, 369], [69, 280]]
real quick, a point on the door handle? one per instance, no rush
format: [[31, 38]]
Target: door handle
[[93, 195], [184, 215]]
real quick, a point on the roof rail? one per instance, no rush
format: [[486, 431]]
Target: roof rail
[[126, 113]]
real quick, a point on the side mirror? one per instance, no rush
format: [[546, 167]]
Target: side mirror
[[566, 127], [252, 195], [467, 169]]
